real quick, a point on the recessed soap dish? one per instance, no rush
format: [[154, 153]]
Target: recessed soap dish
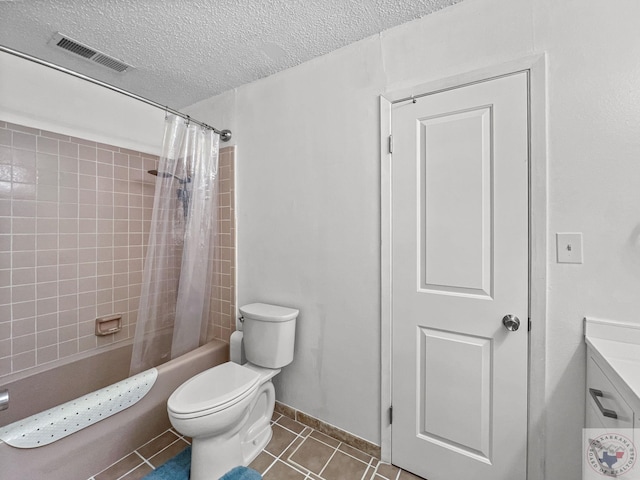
[[108, 325]]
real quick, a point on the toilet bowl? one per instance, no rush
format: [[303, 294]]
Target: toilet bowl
[[227, 409]]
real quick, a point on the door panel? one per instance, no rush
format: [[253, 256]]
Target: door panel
[[459, 265], [461, 366], [455, 229]]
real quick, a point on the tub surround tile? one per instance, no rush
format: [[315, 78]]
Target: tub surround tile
[[80, 211], [47, 354], [23, 141], [5, 348], [5, 298], [23, 327], [57, 136], [68, 149], [5, 366], [24, 360], [65, 171], [5, 137], [5, 330], [47, 145]]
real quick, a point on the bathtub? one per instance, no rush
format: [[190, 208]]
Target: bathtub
[[94, 448]]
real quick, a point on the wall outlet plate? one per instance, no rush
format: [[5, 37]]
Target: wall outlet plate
[[569, 247]]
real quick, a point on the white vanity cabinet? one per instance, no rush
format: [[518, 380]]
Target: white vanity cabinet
[[606, 407], [613, 375]]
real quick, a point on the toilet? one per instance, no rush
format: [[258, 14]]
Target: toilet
[[227, 409]]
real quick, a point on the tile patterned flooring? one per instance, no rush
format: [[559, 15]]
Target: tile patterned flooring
[[296, 452]]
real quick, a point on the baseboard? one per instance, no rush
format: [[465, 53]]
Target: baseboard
[[328, 429]]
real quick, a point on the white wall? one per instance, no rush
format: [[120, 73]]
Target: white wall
[[594, 173], [308, 222], [44, 98], [309, 197]]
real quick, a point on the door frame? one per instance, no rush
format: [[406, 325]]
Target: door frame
[[535, 65]]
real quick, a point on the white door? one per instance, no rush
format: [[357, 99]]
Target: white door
[[459, 266]]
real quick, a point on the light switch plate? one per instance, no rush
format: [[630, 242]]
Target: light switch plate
[[569, 247]]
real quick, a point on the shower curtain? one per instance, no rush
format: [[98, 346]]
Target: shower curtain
[[173, 313]]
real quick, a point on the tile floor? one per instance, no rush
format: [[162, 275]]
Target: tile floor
[[295, 452]]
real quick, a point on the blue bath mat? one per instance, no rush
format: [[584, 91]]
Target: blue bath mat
[[179, 466], [176, 468], [241, 473]]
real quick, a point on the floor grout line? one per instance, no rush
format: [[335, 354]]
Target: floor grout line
[[163, 449], [179, 435], [117, 461], [351, 456], [328, 462], [287, 429], [144, 459], [278, 457], [127, 473], [295, 464], [370, 469], [287, 460], [275, 460]]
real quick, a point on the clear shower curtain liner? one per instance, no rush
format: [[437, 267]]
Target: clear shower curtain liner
[[180, 262]]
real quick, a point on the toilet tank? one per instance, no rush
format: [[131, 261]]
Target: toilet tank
[[269, 334]]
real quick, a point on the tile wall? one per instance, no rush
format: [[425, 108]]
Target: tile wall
[[223, 306], [74, 221]]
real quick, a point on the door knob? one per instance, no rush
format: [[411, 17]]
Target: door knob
[[511, 322]]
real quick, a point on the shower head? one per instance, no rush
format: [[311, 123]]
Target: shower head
[[167, 175], [160, 174], [183, 192]]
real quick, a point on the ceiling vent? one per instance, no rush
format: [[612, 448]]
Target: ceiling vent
[[61, 41]]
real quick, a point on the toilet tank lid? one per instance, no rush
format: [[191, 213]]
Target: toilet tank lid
[[268, 313]]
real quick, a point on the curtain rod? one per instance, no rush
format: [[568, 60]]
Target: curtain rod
[[225, 135]]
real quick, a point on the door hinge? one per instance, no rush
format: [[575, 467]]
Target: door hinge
[[390, 415], [390, 143], [529, 325]]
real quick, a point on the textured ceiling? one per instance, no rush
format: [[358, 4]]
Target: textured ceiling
[[185, 51]]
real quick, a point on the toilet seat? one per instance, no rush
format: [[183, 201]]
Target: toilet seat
[[213, 390]]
